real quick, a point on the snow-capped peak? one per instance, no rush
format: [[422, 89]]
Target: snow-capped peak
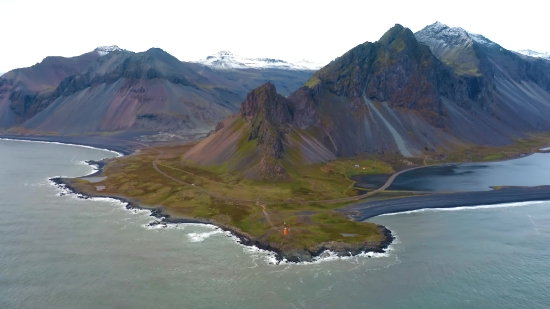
[[535, 54], [104, 50], [226, 60], [443, 34]]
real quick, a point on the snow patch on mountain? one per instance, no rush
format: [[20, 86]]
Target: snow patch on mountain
[[439, 34], [535, 54], [481, 39], [225, 60], [104, 50]]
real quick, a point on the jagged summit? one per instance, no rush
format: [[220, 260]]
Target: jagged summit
[[226, 60], [104, 50], [265, 102], [534, 54]]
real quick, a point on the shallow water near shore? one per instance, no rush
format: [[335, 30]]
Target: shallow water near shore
[[63, 252]]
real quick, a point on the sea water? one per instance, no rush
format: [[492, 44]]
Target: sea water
[[64, 252]]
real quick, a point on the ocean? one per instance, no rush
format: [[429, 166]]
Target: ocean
[[64, 252]]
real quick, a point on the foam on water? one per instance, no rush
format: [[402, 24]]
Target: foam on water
[[506, 205], [199, 237]]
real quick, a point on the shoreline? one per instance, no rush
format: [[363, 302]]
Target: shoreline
[[87, 142], [295, 256]]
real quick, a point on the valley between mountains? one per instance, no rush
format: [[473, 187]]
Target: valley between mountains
[[265, 148]]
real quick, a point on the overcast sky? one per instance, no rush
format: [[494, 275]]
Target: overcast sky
[[289, 30]]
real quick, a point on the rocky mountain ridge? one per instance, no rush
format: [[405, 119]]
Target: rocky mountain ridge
[[113, 89], [437, 90]]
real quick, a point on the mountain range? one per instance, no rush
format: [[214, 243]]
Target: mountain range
[[111, 89], [439, 89]]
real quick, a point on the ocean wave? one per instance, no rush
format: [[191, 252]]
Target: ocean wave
[[118, 154], [505, 205], [199, 237]]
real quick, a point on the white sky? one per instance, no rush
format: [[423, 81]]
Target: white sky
[[290, 30]]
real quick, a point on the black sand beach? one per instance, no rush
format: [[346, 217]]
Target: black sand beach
[[364, 210]]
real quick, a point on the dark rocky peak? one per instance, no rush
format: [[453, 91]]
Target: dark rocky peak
[[268, 113], [264, 102], [380, 69], [156, 51], [397, 34]]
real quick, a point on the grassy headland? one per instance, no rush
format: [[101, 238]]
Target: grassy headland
[[256, 209]]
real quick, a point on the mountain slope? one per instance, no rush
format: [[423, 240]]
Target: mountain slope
[[118, 90], [21, 86]]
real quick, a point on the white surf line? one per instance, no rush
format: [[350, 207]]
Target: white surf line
[[401, 145], [536, 228], [494, 206], [62, 143]]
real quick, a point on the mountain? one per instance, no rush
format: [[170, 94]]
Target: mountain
[[253, 72], [111, 89], [437, 90], [535, 54], [225, 60], [260, 140]]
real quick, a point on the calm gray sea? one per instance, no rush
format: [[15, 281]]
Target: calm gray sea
[[62, 252]]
